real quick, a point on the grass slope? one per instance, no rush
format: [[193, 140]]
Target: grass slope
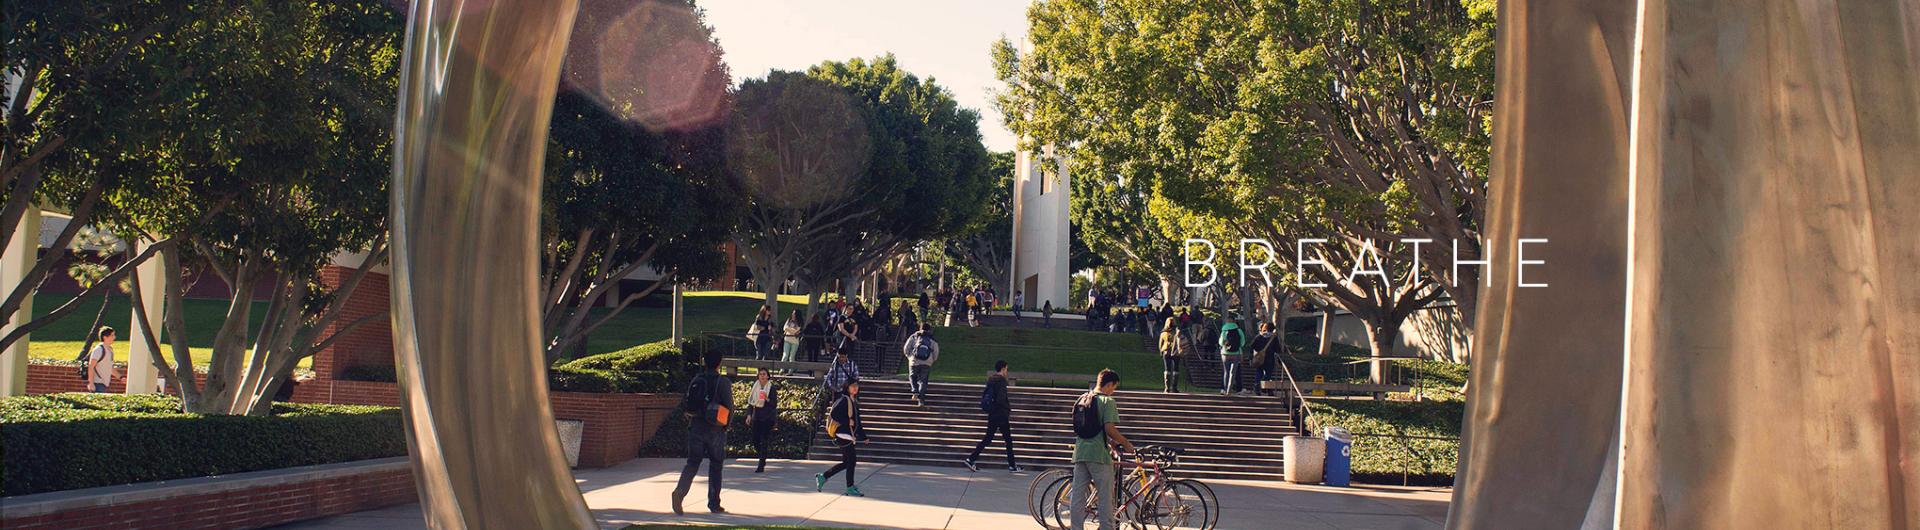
[[967, 354]]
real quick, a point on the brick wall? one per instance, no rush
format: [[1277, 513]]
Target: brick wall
[[241, 501], [54, 379], [369, 344], [614, 424]]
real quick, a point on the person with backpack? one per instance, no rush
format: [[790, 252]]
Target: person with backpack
[[847, 431], [1232, 343], [1266, 356], [921, 350], [1174, 347], [1096, 430], [100, 371], [998, 404], [709, 407], [763, 412]]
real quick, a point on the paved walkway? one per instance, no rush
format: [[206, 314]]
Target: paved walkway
[[900, 496]]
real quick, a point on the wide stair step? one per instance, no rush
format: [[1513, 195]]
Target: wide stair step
[[1237, 437]]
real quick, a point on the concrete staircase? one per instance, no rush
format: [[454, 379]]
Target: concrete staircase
[[1224, 437]]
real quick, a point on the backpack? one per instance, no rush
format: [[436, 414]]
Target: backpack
[[1086, 417], [1232, 339], [700, 403], [986, 399], [922, 349], [86, 354]]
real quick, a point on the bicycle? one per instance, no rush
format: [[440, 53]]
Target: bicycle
[[1145, 498]]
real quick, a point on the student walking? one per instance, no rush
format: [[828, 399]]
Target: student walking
[[763, 412], [1174, 347], [1266, 356], [1046, 314], [921, 351], [709, 406], [847, 431], [100, 369], [1019, 303], [995, 401], [1096, 429], [908, 321], [1232, 343]]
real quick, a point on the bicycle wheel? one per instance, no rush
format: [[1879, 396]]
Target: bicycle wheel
[[1211, 502], [1040, 495], [1176, 504]]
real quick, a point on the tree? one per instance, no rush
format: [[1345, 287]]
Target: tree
[[91, 89], [1369, 115], [633, 181], [849, 164], [292, 119], [984, 248]]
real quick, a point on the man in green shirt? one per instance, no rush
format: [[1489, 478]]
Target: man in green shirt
[[1093, 457]]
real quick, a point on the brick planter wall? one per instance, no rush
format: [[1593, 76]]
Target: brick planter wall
[[615, 424], [256, 499]]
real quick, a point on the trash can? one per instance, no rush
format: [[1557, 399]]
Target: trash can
[[1339, 467], [1305, 456]]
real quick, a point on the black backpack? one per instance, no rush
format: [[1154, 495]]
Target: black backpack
[[1086, 417], [699, 394], [1233, 340], [923, 349]]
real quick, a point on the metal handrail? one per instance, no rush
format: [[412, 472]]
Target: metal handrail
[[1299, 399]]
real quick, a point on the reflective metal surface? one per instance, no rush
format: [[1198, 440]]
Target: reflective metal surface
[[477, 89], [1731, 191]]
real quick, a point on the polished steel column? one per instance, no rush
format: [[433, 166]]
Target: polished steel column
[[476, 90]]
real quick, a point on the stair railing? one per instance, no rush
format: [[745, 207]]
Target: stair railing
[[1298, 403]]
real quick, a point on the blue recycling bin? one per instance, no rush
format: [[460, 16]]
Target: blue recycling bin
[[1339, 468]]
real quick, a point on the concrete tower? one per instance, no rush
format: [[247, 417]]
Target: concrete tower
[[1040, 243]]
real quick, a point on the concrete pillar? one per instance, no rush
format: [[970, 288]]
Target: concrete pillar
[[142, 376], [677, 314], [21, 253]]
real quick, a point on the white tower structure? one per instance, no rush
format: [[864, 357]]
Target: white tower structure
[[1040, 222]]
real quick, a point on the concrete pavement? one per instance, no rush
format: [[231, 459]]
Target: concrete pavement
[[917, 497]]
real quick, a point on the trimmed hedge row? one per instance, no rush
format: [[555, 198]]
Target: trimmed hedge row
[[68, 441], [1382, 460], [647, 368]]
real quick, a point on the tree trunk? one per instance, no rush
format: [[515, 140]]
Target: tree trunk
[[1381, 334], [1326, 331], [771, 285]]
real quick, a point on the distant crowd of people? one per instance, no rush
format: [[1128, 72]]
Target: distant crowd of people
[[845, 322]]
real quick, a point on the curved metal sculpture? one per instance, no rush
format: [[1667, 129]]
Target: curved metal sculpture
[[1732, 339], [477, 88]]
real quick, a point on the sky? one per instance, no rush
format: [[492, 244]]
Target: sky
[[946, 40]]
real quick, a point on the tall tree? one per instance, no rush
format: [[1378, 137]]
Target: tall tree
[[635, 172], [1375, 108], [292, 117], [984, 248], [888, 161], [91, 89]]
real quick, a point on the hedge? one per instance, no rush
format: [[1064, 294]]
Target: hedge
[[791, 436], [1383, 460], [67, 441], [647, 368]]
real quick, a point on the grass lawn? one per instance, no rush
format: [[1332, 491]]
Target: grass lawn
[[62, 339], [967, 354]]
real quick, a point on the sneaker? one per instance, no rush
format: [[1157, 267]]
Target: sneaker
[[819, 483], [716, 509], [1015, 468], [969, 463], [854, 491]]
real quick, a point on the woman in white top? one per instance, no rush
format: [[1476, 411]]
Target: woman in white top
[[791, 337], [763, 412]]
